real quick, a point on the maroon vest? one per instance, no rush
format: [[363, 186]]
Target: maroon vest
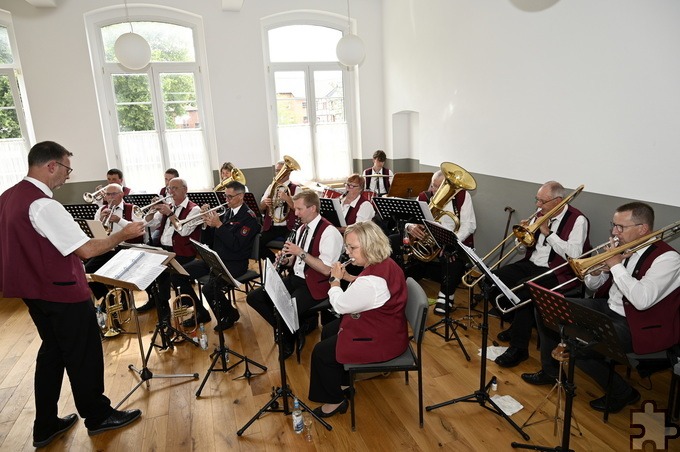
[[30, 266], [563, 230], [127, 214], [182, 245], [656, 328], [386, 180], [379, 334], [317, 283], [351, 216], [458, 201], [268, 222]]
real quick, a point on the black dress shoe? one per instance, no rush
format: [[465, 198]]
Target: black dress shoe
[[287, 349], [615, 405], [539, 378], [227, 322], [149, 305], [342, 409], [512, 357], [116, 420], [504, 336], [63, 424], [203, 317]]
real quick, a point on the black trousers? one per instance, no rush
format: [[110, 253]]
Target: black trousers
[[70, 341], [522, 318], [327, 375], [592, 363]]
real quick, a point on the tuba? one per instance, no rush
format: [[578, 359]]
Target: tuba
[[455, 179], [289, 165], [236, 175]]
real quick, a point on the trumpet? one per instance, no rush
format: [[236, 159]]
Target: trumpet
[[144, 211], [198, 219], [108, 227], [97, 196], [524, 236]]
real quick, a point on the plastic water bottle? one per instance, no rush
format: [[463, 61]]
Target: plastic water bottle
[[204, 338], [101, 317], [298, 422]]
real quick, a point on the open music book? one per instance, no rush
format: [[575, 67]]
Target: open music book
[[134, 266]]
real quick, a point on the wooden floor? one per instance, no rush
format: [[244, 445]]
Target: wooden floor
[[174, 419]]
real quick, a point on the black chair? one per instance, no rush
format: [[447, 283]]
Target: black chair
[[410, 360]]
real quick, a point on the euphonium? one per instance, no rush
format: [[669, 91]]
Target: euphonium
[[288, 167], [455, 179], [236, 175], [117, 311]]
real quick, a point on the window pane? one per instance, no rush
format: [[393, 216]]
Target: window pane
[[140, 155], [179, 101], [303, 43], [133, 102], [5, 50], [168, 42], [330, 105], [9, 123]]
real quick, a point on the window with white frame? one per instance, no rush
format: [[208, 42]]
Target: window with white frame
[[155, 118], [14, 143], [311, 111]]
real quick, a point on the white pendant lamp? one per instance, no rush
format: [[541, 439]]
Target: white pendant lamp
[[350, 48], [131, 49]]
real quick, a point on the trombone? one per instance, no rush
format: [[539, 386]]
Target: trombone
[[198, 219], [524, 236], [144, 211], [96, 196]]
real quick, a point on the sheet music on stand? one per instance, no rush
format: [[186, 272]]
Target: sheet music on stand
[[214, 260], [140, 199], [285, 305], [409, 185], [332, 211], [403, 210], [477, 261], [85, 211], [204, 197], [134, 266]]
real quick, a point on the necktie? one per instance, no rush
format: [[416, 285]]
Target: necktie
[[303, 237]]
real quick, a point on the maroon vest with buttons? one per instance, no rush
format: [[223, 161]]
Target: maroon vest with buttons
[[30, 266], [386, 180], [351, 216], [317, 283]]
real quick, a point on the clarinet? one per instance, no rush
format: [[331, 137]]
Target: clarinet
[[291, 238]]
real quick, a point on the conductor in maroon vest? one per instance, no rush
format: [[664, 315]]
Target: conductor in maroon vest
[[40, 261], [639, 291], [564, 235], [317, 245], [177, 241], [116, 214], [271, 229], [373, 323]]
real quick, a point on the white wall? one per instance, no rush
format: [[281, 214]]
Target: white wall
[[585, 92], [59, 81]]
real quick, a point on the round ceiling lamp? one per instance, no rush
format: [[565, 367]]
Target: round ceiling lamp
[[350, 48], [132, 51]]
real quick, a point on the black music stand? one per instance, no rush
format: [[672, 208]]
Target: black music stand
[[409, 185], [277, 288], [250, 201], [85, 227], [402, 211], [219, 271], [86, 211], [445, 238], [141, 199], [580, 328], [332, 211], [123, 281], [481, 395], [204, 197]]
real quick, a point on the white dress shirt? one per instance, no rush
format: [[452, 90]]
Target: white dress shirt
[[378, 183], [118, 211], [278, 211], [330, 246], [364, 294], [572, 247], [166, 234]]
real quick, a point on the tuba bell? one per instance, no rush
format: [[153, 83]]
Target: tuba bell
[[289, 165], [117, 311], [236, 175], [455, 179]]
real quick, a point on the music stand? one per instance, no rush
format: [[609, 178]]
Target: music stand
[[332, 211], [250, 201], [141, 199], [86, 211], [481, 395], [444, 237], [85, 227], [284, 307], [218, 270], [132, 272], [580, 328], [204, 197], [409, 185], [402, 211]]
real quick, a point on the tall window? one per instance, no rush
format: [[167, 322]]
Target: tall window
[[309, 90], [14, 144], [155, 118]]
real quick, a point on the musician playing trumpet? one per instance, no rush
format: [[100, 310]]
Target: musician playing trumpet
[[564, 235], [639, 291]]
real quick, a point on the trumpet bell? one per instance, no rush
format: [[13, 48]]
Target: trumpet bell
[[236, 175]]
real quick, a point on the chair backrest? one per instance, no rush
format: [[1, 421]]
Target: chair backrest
[[255, 254], [416, 308]]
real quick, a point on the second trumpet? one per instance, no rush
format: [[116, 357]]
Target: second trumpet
[[198, 219]]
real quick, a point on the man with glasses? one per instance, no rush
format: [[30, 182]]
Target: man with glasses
[[316, 247], [564, 235], [635, 290], [40, 262], [231, 236], [355, 207]]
